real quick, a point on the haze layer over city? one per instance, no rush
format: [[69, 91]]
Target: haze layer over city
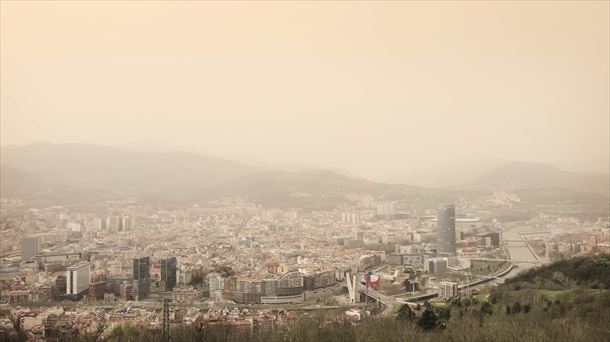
[[305, 171]]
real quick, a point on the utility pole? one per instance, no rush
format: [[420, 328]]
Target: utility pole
[[366, 298], [166, 329]]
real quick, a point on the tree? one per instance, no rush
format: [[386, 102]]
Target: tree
[[405, 313], [445, 314], [486, 309], [428, 319]]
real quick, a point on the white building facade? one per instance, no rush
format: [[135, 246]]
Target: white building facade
[[77, 278]]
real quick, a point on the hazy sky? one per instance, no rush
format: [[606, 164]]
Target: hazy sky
[[383, 90]]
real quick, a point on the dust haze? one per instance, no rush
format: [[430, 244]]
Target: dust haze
[[392, 92], [304, 171]]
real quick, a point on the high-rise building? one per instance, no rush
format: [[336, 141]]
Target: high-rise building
[[127, 223], [126, 291], [141, 277], [96, 223], [350, 217], [446, 230], [77, 278], [112, 223], [141, 268], [30, 246], [59, 288], [447, 290], [436, 265], [216, 285], [271, 215], [168, 274], [385, 208]]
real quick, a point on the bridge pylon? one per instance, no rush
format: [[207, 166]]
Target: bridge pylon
[[352, 288]]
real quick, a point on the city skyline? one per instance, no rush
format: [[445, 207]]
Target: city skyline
[[304, 171]]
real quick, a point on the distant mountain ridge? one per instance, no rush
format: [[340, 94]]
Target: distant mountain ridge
[[92, 170], [310, 188], [519, 175], [58, 173], [13, 181], [112, 169]]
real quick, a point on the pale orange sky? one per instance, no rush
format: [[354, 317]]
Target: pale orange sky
[[378, 89]]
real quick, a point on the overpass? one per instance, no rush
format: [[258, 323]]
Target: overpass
[[356, 287], [537, 232], [385, 299], [509, 260]]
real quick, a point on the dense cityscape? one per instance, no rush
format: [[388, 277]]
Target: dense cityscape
[[243, 265]]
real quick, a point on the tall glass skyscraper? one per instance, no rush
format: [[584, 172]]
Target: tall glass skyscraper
[[446, 230], [168, 273], [141, 277]]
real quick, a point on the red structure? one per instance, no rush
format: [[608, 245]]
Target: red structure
[[371, 279]]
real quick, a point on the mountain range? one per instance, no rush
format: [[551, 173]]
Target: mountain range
[[527, 175], [63, 171], [112, 169]]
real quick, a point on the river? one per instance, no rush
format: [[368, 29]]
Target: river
[[518, 249]]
